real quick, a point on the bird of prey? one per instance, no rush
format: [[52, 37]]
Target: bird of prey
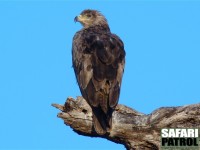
[[98, 58]]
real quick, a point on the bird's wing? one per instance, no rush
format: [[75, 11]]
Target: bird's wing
[[98, 61], [81, 62]]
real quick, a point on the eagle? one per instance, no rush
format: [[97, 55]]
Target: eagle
[[98, 58]]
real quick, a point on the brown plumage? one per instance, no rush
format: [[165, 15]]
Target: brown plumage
[[98, 59]]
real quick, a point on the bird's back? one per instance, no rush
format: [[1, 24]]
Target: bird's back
[[98, 61]]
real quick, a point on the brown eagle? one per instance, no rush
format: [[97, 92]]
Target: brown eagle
[[98, 60]]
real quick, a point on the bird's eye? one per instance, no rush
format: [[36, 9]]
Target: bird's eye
[[88, 15]]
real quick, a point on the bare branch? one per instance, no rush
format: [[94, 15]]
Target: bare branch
[[133, 129]]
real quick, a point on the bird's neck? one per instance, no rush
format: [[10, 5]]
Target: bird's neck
[[99, 28]]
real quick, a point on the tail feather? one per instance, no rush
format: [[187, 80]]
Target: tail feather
[[102, 122]]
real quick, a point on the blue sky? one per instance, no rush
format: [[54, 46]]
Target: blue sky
[[162, 42]]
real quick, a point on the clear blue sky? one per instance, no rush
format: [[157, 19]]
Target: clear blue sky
[[162, 42]]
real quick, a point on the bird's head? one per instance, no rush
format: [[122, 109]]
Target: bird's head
[[90, 17]]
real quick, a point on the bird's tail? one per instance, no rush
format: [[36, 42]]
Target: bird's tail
[[102, 122]]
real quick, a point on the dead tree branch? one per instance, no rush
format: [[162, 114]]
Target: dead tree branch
[[133, 129]]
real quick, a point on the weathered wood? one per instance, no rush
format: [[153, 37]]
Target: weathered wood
[[133, 129]]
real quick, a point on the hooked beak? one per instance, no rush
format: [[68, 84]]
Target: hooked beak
[[79, 18], [76, 19]]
